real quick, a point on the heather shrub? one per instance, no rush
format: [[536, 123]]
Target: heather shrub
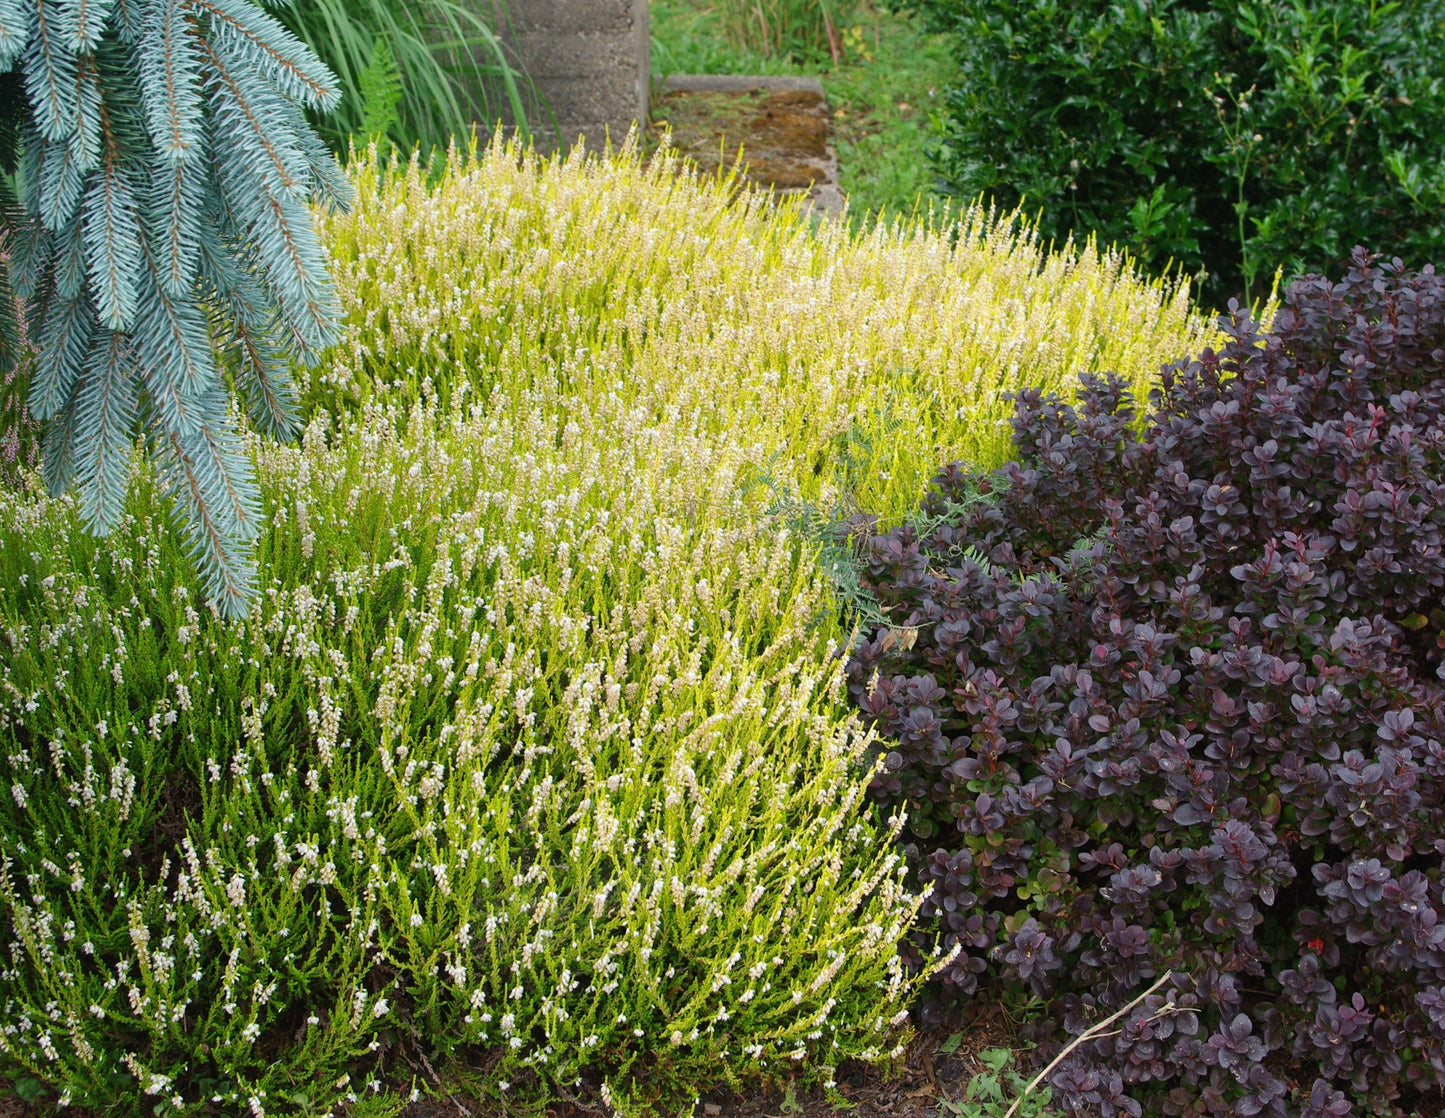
[[1166, 697], [461, 794], [531, 772]]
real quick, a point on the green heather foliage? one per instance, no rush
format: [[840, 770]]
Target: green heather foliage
[[1229, 136], [532, 762], [165, 168]]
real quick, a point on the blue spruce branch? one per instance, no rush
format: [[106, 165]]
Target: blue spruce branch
[[166, 169]]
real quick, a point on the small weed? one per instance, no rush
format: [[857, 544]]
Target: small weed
[[992, 1091]]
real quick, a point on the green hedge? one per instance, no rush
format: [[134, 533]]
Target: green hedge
[[1227, 136]]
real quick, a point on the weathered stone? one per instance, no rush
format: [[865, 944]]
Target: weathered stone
[[588, 65], [781, 125]]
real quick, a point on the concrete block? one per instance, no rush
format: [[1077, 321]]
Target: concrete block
[[576, 15], [588, 65], [603, 58]]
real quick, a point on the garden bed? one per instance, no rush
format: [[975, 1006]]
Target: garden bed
[[575, 403], [939, 1072]]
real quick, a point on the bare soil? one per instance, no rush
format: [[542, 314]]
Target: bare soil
[[921, 1085], [924, 1080]]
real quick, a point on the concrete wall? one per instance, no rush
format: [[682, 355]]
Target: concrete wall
[[589, 62]]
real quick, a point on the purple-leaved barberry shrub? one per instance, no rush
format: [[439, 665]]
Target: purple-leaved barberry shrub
[[1166, 696]]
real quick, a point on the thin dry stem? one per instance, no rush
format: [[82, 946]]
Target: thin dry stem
[[1094, 1032]]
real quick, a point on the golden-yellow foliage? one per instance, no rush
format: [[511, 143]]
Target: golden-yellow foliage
[[752, 326]]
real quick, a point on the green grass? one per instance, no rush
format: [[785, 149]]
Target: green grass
[[883, 92]]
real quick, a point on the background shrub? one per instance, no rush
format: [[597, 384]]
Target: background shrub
[[1228, 137], [1172, 701]]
